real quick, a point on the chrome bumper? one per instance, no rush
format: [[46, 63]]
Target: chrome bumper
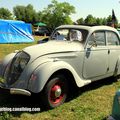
[[19, 91], [16, 91]]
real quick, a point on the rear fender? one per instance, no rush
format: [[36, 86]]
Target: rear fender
[[117, 67]]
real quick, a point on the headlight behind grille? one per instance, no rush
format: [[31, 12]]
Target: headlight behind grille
[[17, 66]]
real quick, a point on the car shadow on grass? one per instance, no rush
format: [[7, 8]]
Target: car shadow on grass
[[8, 101], [18, 104], [92, 86]]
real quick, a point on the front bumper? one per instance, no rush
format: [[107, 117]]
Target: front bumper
[[19, 91], [16, 91]]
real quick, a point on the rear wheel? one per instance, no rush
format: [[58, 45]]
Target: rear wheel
[[55, 92], [117, 78]]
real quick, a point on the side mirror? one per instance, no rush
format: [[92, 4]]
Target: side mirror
[[94, 44]]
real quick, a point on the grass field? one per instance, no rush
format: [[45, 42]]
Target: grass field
[[92, 102]]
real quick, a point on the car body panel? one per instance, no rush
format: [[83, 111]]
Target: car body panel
[[114, 51], [51, 47], [94, 58]]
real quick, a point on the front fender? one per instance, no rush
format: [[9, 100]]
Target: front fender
[[4, 63], [46, 70]]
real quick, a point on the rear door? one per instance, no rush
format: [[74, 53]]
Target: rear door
[[113, 44]]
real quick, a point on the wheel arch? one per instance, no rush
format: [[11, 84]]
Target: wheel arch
[[67, 73], [70, 86], [47, 70]]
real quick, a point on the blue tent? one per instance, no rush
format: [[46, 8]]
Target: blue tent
[[15, 32]]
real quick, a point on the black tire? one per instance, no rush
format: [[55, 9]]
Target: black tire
[[117, 78], [55, 92]]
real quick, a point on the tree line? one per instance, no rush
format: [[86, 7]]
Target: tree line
[[91, 20], [55, 14]]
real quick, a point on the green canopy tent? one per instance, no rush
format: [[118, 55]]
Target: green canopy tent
[[41, 29], [40, 24]]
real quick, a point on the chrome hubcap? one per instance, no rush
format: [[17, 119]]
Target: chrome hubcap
[[58, 92]]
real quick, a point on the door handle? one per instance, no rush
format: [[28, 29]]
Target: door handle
[[108, 51]]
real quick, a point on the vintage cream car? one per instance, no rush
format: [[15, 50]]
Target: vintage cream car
[[74, 55]]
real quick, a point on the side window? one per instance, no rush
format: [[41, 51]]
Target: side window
[[112, 38], [61, 34], [97, 38], [75, 35]]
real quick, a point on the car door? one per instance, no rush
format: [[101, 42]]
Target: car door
[[96, 56], [113, 44]]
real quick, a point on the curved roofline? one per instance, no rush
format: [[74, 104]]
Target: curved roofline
[[74, 26], [89, 28]]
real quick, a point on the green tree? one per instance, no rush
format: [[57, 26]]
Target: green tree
[[5, 14], [109, 19], [80, 21], [104, 21], [90, 20], [57, 14], [19, 12], [25, 13], [99, 21]]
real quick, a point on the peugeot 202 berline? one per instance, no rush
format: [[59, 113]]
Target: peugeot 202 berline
[[73, 55]]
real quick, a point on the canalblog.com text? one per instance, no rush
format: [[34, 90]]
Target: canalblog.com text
[[21, 109]]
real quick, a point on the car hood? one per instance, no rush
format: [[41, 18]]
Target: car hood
[[51, 47]]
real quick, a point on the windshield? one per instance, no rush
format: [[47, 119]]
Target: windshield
[[70, 34]]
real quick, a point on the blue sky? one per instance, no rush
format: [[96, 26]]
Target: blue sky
[[98, 8]]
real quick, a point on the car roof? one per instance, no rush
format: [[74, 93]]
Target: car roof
[[89, 28], [74, 26]]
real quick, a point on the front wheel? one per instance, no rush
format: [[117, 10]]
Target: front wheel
[[55, 92]]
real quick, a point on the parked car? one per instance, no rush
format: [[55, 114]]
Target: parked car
[[116, 107], [75, 55], [42, 31]]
